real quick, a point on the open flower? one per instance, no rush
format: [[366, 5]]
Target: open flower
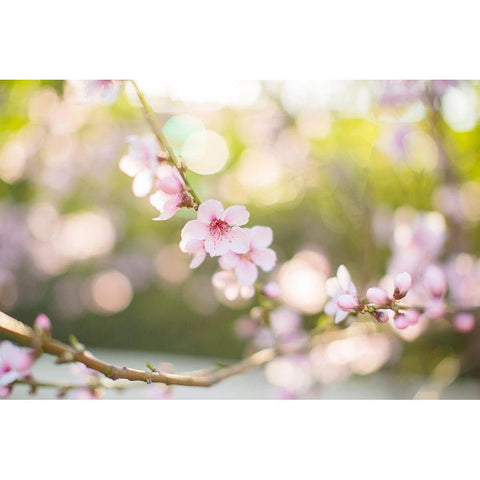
[[336, 287], [171, 194], [258, 255], [15, 363], [219, 229], [141, 163]]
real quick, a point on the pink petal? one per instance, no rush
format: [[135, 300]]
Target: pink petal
[[130, 165], [229, 260], [246, 272], [343, 276], [265, 258], [9, 377], [216, 246], [260, 237], [209, 211], [142, 183], [194, 229], [198, 258], [193, 246], [239, 241], [340, 316], [168, 179], [236, 215], [170, 207]]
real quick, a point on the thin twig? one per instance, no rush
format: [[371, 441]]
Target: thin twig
[[162, 139]]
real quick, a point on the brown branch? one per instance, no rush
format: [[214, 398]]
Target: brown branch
[[22, 334]]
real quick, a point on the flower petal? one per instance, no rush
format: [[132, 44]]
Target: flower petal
[[260, 237], [246, 272], [229, 260], [170, 207], [343, 276], [216, 246], [265, 258], [198, 258], [194, 229], [238, 240], [142, 183], [209, 211], [130, 165], [340, 316], [236, 215]]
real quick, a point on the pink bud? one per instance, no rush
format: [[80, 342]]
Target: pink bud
[[412, 316], [435, 281], [378, 296], [347, 303], [42, 323], [401, 321], [403, 283], [464, 322], [271, 290], [381, 316]]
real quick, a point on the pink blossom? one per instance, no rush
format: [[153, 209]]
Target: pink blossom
[[403, 283], [15, 363], [336, 287], [219, 229], [464, 322], [348, 303], [412, 316], [227, 282], [258, 254], [381, 316], [42, 323], [171, 194], [378, 296], [141, 163], [435, 280]]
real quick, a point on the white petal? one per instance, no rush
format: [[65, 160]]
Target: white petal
[[130, 165], [260, 237], [229, 260], [142, 183], [246, 272], [238, 240], [265, 258], [343, 277], [340, 316]]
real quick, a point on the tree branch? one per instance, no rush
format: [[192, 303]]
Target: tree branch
[[24, 335]]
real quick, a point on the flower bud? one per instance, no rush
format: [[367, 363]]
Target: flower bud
[[401, 321], [381, 316], [412, 316], [403, 283], [347, 303], [378, 296], [435, 281], [42, 323], [464, 322]]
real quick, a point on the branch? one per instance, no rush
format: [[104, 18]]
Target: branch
[[24, 335], [162, 139]]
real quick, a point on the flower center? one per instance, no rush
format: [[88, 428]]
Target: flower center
[[218, 228], [5, 368]]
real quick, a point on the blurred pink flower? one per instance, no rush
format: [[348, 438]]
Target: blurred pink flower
[[464, 322], [227, 281], [348, 303], [219, 229], [402, 283], [271, 290], [258, 254], [15, 363], [336, 287], [141, 163], [435, 280]]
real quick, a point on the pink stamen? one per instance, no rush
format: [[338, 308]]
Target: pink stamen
[[218, 228]]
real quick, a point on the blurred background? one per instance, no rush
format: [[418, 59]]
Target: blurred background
[[341, 170]]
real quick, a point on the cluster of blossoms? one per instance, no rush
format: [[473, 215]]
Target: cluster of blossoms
[[382, 306], [216, 231]]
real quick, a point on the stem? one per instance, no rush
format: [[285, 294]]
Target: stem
[[158, 132], [24, 335], [72, 386]]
